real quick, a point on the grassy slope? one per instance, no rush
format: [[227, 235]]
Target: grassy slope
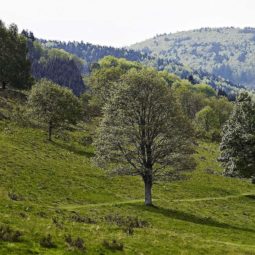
[[54, 180]]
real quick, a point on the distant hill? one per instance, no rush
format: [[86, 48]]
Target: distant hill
[[90, 54], [225, 52], [196, 76]]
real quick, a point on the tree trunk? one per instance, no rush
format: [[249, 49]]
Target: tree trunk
[[4, 85], [50, 131], [147, 191]]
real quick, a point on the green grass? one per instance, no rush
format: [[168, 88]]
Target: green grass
[[204, 214]]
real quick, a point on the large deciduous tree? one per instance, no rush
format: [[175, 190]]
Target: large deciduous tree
[[54, 105], [238, 141], [143, 131], [14, 64]]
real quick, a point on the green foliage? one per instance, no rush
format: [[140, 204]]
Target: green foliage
[[59, 53], [200, 104], [170, 78], [14, 65], [91, 54], [207, 123], [204, 89], [193, 98], [103, 78], [238, 141], [135, 131], [91, 107], [206, 119], [221, 107], [54, 105]]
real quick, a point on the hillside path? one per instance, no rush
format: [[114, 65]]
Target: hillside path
[[75, 206]]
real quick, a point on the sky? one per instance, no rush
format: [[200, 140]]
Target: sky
[[122, 22]]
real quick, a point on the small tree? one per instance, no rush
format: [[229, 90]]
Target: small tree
[[238, 141], [143, 131], [54, 105]]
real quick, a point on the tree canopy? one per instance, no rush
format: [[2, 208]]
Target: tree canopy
[[105, 75], [53, 105]]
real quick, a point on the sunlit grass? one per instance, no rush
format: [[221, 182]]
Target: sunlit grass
[[204, 214]]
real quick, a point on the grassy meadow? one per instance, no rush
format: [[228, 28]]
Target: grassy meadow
[[54, 188]]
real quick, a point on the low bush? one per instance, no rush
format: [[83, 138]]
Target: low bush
[[47, 242], [77, 243], [82, 219], [128, 221], [9, 235], [113, 245], [15, 197]]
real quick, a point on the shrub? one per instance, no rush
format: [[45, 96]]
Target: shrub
[[129, 221], [86, 140], [47, 242], [82, 219], [77, 243], [58, 223], [22, 215], [128, 230], [9, 235], [113, 245], [42, 214], [15, 197]]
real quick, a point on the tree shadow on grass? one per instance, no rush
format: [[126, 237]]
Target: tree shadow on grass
[[250, 196], [179, 215], [73, 149]]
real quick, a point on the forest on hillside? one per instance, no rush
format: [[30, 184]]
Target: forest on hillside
[[225, 52], [91, 54]]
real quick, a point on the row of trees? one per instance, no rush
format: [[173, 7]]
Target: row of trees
[[192, 98]]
